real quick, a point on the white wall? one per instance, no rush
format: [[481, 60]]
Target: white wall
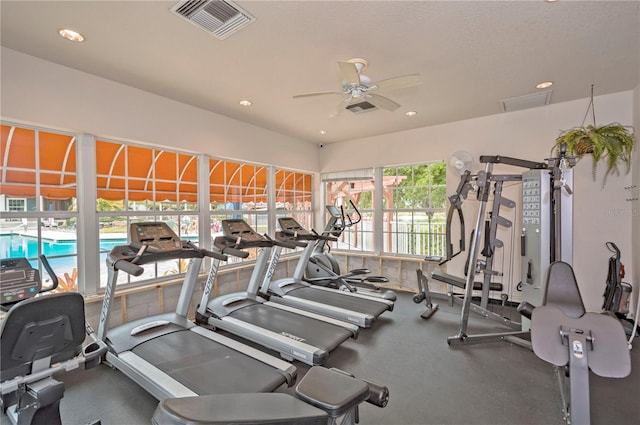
[[599, 213], [46, 94]]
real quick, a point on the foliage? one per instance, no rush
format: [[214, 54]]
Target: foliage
[[105, 205], [423, 187], [612, 143]]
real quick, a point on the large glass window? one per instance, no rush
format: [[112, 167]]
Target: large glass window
[[133, 183], [357, 226], [406, 204], [293, 196], [138, 183], [38, 200], [414, 205], [238, 190]]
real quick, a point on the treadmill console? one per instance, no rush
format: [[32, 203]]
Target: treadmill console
[[291, 227], [235, 229], [156, 236], [18, 280]]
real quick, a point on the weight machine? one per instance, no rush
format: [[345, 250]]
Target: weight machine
[[546, 237]]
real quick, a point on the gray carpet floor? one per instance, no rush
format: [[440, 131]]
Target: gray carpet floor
[[429, 382]]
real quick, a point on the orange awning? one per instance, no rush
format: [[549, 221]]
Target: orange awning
[[133, 172]]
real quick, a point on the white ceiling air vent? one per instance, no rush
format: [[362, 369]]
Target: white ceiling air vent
[[219, 17], [358, 108], [528, 101]]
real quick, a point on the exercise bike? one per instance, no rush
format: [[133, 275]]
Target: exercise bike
[[40, 337]]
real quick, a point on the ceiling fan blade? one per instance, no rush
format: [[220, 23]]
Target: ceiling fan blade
[[340, 107], [348, 74], [400, 82], [381, 102], [316, 94]]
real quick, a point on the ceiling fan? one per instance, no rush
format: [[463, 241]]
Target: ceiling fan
[[358, 87]]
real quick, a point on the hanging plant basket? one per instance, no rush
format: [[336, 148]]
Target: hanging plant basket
[[612, 144]]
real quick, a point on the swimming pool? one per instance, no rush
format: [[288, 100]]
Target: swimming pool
[[15, 246], [62, 255]]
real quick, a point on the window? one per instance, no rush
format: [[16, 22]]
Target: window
[[136, 183], [16, 205], [405, 205], [414, 201], [238, 190], [346, 194], [38, 200], [293, 196]]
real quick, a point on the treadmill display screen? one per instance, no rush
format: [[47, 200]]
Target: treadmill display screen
[[158, 236]]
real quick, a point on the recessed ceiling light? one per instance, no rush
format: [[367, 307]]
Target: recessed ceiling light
[[544, 85], [245, 103], [411, 113], [323, 131], [71, 35]]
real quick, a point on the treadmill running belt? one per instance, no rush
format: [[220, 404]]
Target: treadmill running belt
[[338, 299], [207, 367], [311, 331]]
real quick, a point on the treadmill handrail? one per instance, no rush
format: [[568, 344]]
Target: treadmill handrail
[[129, 260]]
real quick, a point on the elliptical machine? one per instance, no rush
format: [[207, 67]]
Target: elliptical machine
[[323, 269]]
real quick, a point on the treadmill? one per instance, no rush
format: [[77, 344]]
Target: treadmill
[[352, 307], [294, 333], [167, 354]]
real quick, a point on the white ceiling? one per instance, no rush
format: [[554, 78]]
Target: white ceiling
[[470, 55]]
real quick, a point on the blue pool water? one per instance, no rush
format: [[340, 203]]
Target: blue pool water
[[13, 246]]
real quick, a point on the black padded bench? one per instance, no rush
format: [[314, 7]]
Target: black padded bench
[[461, 283], [322, 393]]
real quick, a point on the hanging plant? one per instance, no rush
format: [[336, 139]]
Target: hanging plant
[[612, 144]]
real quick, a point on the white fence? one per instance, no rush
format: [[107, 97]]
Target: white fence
[[417, 238]]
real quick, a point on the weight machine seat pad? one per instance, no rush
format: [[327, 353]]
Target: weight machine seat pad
[[609, 358], [331, 391], [255, 408], [562, 290], [51, 325], [461, 283]]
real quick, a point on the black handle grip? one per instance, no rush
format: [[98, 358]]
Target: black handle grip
[[236, 252], [127, 267], [213, 254], [284, 244], [52, 274], [378, 394]]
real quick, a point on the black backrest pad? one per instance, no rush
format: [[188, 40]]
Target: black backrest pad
[[48, 326], [562, 290]]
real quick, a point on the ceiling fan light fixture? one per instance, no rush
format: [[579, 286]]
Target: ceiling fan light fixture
[[360, 64]]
